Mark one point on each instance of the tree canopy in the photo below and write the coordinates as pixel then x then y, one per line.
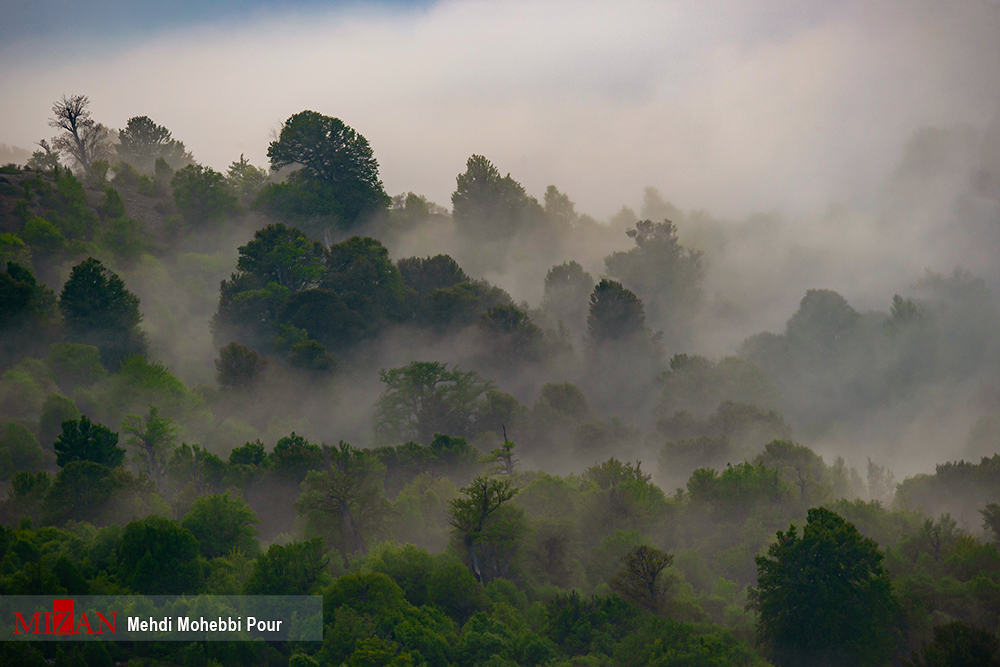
pixel 825 598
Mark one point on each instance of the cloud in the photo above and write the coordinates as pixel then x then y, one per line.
pixel 731 106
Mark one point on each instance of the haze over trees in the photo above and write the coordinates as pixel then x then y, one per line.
pixel 539 461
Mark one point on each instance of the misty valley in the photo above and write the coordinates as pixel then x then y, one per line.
pixel 498 432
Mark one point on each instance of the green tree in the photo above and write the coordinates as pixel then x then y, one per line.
pixel 616 314
pixel 488 206
pixel 426 275
pixel 661 272
pixel 202 195
pixel 350 493
pixel 159 557
pixel 222 524
pixel 245 179
pixel 567 292
pixel 289 569
pixel 153 439
pixel 19 450
pixel 98 310
pixel 800 466
pixel 425 398
pixel 142 142
pixel 824 598
pixel 469 515
pixel 333 158
pixel 239 367
pixel 642 580
pixel 957 644
pixel 84 440
pixel 27 312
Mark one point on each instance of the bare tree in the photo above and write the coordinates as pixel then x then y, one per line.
pixel 83 139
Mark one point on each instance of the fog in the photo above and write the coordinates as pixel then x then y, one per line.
pixel 731 107
pixel 847 147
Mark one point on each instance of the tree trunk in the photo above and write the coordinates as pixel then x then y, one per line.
pixel 470 545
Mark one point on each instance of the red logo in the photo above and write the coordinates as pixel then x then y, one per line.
pixel 60 621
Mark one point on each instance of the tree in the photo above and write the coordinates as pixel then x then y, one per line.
pixel 19 450
pixel 334 157
pixel 488 206
pixel 85 140
pixel 800 466
pixel 283 255
pixel 425 275
pixel 290 569
pixel 640 580
pixel 202 195
pixel 159 557
pixel 45 159
pixel 567 290
pixel 824 598
pixel 28 313
pixel 98 310
pixel 84 440
pixel 469 515
pixel 142 142
pixel 616 314
pixel 957 644
pixel 349 490
pixel 222 524
pixel 245 179
pixel 153 438
pixel 239 367
pixel 425 398
pixel 663 273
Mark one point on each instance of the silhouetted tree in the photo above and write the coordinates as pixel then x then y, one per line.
pixel 83 139
pixel 83 440
pixel 98 310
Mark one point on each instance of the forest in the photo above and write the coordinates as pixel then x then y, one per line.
pixel 495 433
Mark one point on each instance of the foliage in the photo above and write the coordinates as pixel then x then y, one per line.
pixel 348 494
pixel 469 515
pixel 83 440
pixel 142 142
pixel 334 158
pixel 222 524
pixel 152 437
pixel 661 272
pixel 291 569
pixel 425 398
pixel 640 581
pixel 159 557
pixel 98 310
pixel 19 450
pixel 245 179
pixel 202 195
pixel 239 367
pixel 957 644
pixel 825 598
pixel 489 206
pixel 567 292
pixel 616 314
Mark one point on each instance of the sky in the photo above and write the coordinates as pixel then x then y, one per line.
pixel 734 107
